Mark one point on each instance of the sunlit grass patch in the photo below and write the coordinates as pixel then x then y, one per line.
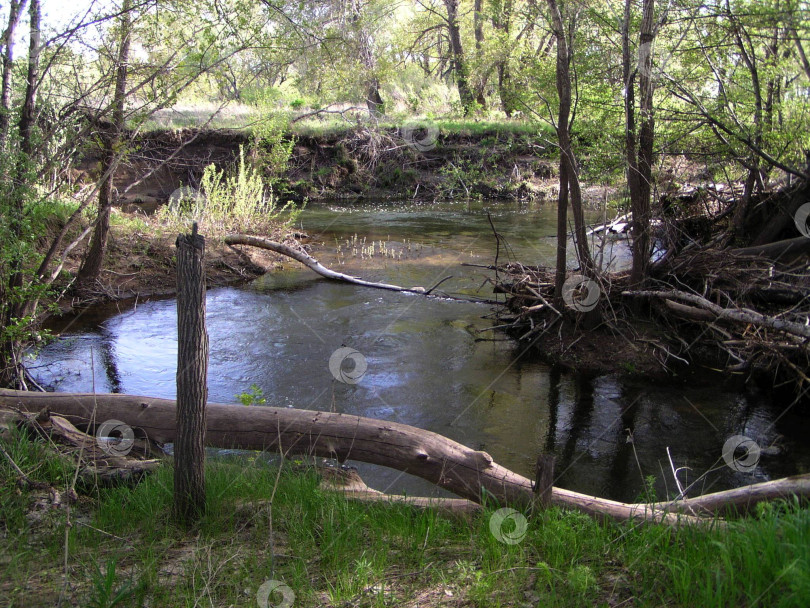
pixel 269 524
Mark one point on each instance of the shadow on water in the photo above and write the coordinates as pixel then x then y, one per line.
pixel 426 363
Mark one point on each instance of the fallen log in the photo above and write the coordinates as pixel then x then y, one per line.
pixel 742 499
pixel 313 264
pixel 736 315
pixel 98 464
pixel 774 251
pixel 466 472
pixel 348 482
pixel 689 312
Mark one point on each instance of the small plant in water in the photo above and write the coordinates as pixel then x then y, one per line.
pixel 255 396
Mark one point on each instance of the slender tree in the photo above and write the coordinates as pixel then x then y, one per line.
pixel 15 9
pixel 13 304
pixel 458 63
pixel 91 267
pixel 639 141
pixel 569 178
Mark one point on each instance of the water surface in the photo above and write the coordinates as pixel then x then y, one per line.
pixel 427 363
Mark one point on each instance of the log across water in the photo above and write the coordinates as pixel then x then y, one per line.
pixel 466 472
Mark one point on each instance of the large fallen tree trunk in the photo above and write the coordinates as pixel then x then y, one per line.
pixel 466 472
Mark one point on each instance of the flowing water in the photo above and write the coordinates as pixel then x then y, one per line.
pixel 427 364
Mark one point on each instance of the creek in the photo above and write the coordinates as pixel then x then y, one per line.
pixel 431 362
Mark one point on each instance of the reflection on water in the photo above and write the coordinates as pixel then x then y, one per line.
pixel 425 365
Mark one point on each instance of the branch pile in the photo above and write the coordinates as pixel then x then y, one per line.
pixel 744 309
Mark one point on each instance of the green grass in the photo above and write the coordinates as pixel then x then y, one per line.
pixel 481 128
pixel 240 116
pixel 124 549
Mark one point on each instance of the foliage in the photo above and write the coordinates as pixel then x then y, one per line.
pixel 356 553
pixel 272 146
pixel 255 396
pixel 234 199
pixel 106 592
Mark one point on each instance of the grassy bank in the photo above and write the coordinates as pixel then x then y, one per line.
pixel 140 258
pixel 269 524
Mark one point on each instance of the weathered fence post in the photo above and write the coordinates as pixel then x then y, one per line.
pixel 544 480
pixel 192 386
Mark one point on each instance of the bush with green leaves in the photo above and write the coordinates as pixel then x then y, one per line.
pixel 238 198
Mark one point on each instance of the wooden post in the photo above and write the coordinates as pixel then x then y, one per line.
pixel 544 480
pixel 192 386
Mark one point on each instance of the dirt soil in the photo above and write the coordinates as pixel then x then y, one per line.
pixel 358 164
pixel 141 264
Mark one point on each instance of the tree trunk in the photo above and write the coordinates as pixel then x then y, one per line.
pixel 459 64
pixel 374 101
pixel 568 164
pixel 506 91
pixel 640 204
pixel 91 267
pixel 478 30
pixel 28 115
pixel 15 10
pixel 192 380
pixel 562 237
pixel 466 472
pixel 800 49
pixel 749 59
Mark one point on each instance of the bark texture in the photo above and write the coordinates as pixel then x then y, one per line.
pixel 192 385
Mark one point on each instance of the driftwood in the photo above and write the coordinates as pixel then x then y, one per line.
pixel 313 264
pixel 774 251
pixel 736 315
pixel 466 472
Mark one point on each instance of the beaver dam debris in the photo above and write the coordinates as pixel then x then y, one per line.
pixel 744 310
